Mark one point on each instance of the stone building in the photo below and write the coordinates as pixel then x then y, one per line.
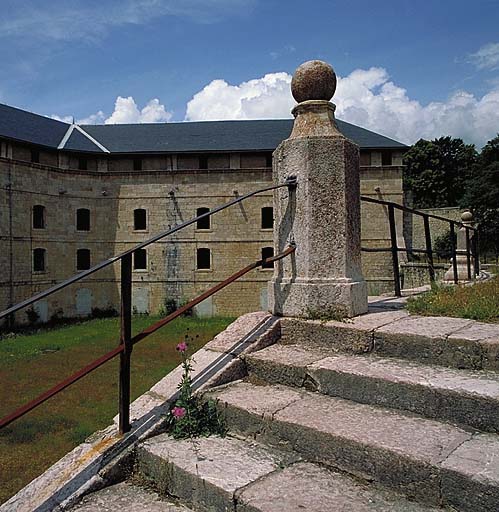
pixel 72 196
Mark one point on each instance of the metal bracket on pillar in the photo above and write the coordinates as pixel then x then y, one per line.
pixel 292 182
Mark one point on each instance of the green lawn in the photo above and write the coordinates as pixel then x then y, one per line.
pixel 30 364
pixel 478 302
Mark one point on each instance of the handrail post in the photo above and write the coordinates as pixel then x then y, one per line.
pixel 476 251
pixel 429 250
pixel 125 340
pixel 454 252
pixel 468 255
pixel 395 255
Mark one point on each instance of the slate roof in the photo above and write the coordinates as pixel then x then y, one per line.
pixel 205 136
pixel 27 127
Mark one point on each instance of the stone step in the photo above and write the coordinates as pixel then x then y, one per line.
pixel 230 474
pixel 465 397
pixel 126 497
pixel 452 342
pixel 428 461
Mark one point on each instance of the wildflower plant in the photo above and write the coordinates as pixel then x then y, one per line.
pixel 190 416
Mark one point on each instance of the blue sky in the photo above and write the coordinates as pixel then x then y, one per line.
pixel 408 69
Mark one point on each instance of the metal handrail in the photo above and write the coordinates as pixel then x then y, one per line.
pixel 472 249
pixel 127 342
pixel 21 411
pixel 290 183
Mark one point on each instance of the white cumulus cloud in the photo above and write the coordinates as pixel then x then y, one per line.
pixel 266 97
pixel 487 57
pixel 127 111
pixel 366 97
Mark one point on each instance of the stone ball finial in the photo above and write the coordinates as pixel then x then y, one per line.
pixel 467 216
pixel 313 80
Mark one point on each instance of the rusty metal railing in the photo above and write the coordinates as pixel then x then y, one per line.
pixel 124 349
pixel 472 246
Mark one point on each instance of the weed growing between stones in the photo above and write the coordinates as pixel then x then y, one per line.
pixel 190 416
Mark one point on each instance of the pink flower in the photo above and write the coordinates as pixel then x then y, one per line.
pixel 182 347
pixel 178 412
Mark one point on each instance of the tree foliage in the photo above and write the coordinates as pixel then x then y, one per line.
pixel 437 171
pixel 482 195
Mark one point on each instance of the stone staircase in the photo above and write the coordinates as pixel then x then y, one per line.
pixel 333 418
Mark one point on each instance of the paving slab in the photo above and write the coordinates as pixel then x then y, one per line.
pixel 352 336
pixel 205 472
pixel 470 479
pixel 305 486
pixel 400 450
pixel 461 396
pixel 126 497
pixel 284 364
pixel 247 333
pixel 428 339
pixel 261 403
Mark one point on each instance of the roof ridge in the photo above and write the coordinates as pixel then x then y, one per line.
pixel 91 139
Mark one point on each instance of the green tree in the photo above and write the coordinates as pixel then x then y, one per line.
pixel 482 195
pixel 436 171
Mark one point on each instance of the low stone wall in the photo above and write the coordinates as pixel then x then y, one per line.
pixel 414 275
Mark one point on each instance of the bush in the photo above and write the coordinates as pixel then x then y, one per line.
pixel 33 316
pixel 442 246
pixel 106 312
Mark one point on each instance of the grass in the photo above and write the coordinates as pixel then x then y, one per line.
pixel 478 302
pixel 30 364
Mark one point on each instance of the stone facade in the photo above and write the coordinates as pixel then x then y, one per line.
pixel 170 188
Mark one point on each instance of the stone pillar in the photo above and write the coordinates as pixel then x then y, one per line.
pixel 322 216
pixel 461 259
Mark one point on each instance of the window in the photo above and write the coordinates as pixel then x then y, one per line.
pixel 82 164
pixel 386 158
pixel 83 219
pixel 267 217
pixel 139 219
pixel 203 259
pixel 39 260
pixel 202 223
pixel 140 259
pixel 267 252
pixel 268 159
pixel 137 164
pixel 35 156
pixel 38 216
pixel 203 162
pixel 82 259
pixel 365 158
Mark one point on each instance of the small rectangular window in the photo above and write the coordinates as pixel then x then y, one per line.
pixel 82 259
pixel 203 259
pixel 268 160
pixel 39 260
pixel 205 222
pixel 35 156
pixel 267 252
pixel 139 219
pixel 137 164
pixel 386 157
pixel 38 216
pixel 267 217
pixel 83 219
pixel 140 259
pixel 82 164
pixel 203 161
pixel 365 158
